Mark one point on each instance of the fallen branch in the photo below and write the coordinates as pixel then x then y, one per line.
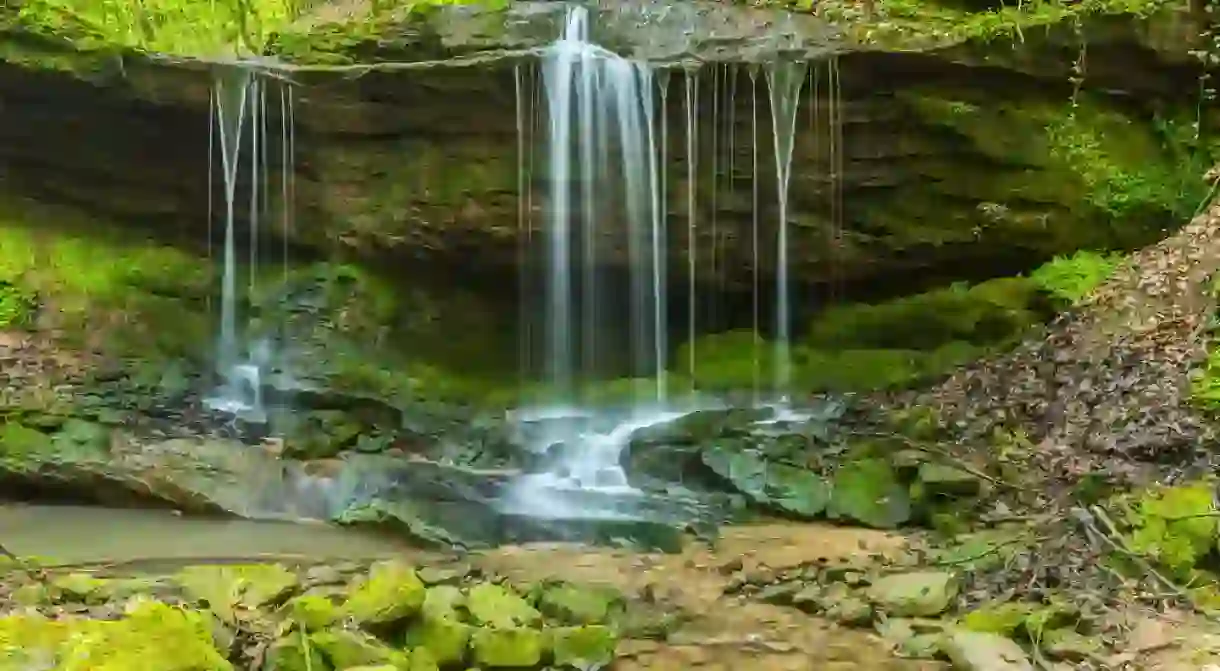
pixel 958 462
pixel 1111 537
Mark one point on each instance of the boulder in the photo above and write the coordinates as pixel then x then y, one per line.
pixel 977 651
pixel 391 593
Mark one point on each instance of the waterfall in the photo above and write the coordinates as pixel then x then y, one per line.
pixel 240 130
pixel 784 81
pixel 605 206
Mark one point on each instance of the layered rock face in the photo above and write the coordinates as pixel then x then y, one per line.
pixel 954 161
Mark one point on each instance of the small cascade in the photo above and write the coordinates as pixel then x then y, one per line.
pixel 241 132
pixel 755 237
pixel 784 81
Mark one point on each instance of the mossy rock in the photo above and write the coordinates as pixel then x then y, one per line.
pixel 314 612
pixel 294 653
pixel 446 639
pixel 782 487
pixel 917 594
pixel 579 605
pixel 345 649
pixel 586 647
pixel 390 593
pixel 496 606
pixel 151 635
pixel 868 491
pixel 984 314
pixel 227 588
pixel 508 648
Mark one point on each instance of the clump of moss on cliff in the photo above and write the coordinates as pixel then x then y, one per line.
pixel 1050 175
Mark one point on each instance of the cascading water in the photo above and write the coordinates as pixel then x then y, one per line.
pixel 241 131
pixel 603 196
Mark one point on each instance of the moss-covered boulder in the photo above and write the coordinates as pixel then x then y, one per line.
pixel 584 647
pixel 496 606
pixel 391 592
pixel 580 604
pixel 226 590
pixel 345 649
pixel 918 594
pixel 151 635
pixel 508 648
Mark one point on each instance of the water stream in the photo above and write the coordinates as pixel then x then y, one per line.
pixel 241 130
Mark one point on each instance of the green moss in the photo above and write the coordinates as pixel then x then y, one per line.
pixel 182 27
pixel 1058 177
pixel 1175 527
pixel 151 636
pixel 984 314
pixel 1071 278
pixel 924 23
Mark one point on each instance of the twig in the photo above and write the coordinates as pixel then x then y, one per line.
pixel 33 573
pixel 1114 540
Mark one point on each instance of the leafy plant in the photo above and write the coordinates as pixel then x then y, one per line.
pixel 1071 278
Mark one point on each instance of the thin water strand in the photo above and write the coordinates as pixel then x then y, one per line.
pixel 784 81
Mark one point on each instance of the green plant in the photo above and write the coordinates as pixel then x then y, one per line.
pixel 184 27
pixel 1071 278
pixel 17 306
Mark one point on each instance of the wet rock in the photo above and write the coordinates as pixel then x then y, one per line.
pixel 782 594
pixel 782 487
pixel 493 605
pixel 390 593
pixel 442 575
pixel 586 648
pixel 508 648
pixel 976 651
pixel 920 594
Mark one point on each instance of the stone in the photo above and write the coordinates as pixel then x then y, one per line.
pixel 391 592
pixel 228 589
pixel 918 594
pixel 313 612
pixel 585 648
pixel 495 606
pixel 443 601
pixel 444 637
pixel 947 480
pixel 81 587
pixel 352 648
pixel 572 604
pixel 978 651
pixel 150 635
pixel 293 653
pixel 508 648
pixel 447 575
pixel 851 611
pixel 1070 645
pixel 783 487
